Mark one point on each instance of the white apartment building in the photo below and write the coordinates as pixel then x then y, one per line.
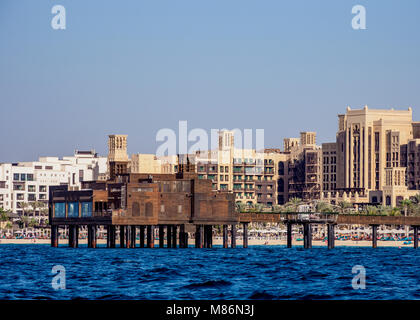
pixel 26 182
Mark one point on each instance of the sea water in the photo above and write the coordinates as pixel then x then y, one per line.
pixel 258 272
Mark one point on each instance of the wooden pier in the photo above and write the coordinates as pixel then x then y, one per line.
pixel 143 206
pixel 171 206
pixel 331 220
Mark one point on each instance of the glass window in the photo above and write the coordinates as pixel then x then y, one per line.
pixel 31 188
pixel 60 210
pixel 30 177
pixel 42 188
pixel 16 176
pixel 86 209
pixel 23 177
pixel 73 210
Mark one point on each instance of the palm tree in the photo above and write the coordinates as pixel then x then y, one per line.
pixel 24 206
pixel 23 222
pixel 416 199
pixel 294 204
pixel 344 206
pixel 323 207
pixel 406 204
pixel 35 206
pixel 3 215
pixel 371 210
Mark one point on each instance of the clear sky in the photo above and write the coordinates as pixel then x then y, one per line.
pixel 134 67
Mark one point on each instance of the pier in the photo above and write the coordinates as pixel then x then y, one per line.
pixel 331 220
pixel 172 206
pixel 135 208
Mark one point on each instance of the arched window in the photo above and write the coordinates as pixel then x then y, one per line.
pixel 280 185
pixel 135 210
pixel 281 168
pixel 388 200
pixel 149 209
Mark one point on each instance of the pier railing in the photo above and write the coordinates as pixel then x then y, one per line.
pixel 311 217
pixel 103 213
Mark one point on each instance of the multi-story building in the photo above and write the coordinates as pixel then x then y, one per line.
pixel 145 163
pixel 329 167
pixel 410 158
pixel 371 155
pixel 304 164
pixel 29 182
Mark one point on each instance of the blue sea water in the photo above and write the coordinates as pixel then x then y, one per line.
pixel 259 272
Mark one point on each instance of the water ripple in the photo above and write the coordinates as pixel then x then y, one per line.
pixel 259 272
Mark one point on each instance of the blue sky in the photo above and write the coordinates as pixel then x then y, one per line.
pixel 134 67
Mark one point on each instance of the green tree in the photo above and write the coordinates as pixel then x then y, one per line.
pixel 344 206
pixel 32 223
pixel 3 215
pixel 416 199
pixel 25 207
pixel 405 206
pixel 294 204
pixel 371 210
pixel 23 222
pixel 323 207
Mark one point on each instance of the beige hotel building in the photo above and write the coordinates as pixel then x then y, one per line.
pixel 374 160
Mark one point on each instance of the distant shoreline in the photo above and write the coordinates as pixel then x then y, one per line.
pixel 218 241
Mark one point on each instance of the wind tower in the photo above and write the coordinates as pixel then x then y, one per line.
pixel 117 155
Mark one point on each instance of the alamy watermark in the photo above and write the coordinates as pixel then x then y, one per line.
pixel 198 143
pixel 359 20
pixel 58 281
pixel 58 22
pixel 359 280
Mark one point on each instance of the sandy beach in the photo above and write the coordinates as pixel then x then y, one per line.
pixel 218 241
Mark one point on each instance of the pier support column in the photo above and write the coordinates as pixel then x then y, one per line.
pixel 198 236
pixel 289 234
pixel 183 237
pixel 307 235
pixel 141 236
pixel 169 236
pixel 77 235
pixel 91 236
pixel 127 237
pixel 161 236
pixel 416 236
pixel 150 236
pixel 54 236
pixel 174 234
pixel 331 236
pixel 94 240
pixel 233 235
pixel 108 240
pixel 245 235
pixel 122 236
pixel 225 236
pixel 208 236
pixel 133 236
pixel 203 236
pixel 70 234
pixel 73 236
pixel 112 236
pixel 374 235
